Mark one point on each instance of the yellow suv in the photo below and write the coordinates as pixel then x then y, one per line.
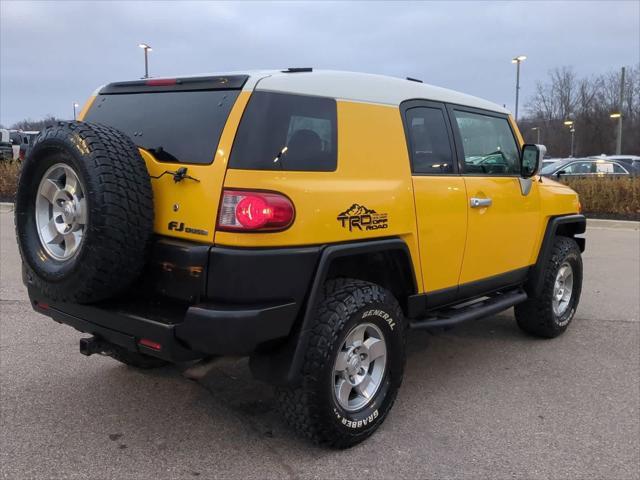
pixel 307 219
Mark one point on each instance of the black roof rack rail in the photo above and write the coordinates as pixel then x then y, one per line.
pixel 411 79
pixel 297 70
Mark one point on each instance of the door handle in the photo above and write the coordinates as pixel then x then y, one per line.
pixel 480 202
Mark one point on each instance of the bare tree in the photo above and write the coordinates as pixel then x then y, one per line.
pixel 588 102
pixel 28 124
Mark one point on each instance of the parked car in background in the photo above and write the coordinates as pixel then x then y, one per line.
pixel 6 151
pixel 27 140
pixel 632 160
pixel 16 141
pixel 588 167
pixel 550 161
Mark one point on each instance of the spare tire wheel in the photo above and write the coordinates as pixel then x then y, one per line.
pixel 84 212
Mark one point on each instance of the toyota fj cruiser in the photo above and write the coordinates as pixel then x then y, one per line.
pixel 307 219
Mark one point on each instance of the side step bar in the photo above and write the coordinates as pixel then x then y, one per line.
pixel 484 308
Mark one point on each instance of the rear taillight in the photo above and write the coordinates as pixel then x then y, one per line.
pixel 145 342
pixel 252 211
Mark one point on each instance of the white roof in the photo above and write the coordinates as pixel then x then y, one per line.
pixel 360 87
pixel 353 86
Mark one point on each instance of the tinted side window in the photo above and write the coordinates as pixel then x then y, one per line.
pixel 489 145
pixel 579 168
pixel 286 132
pixel 429 141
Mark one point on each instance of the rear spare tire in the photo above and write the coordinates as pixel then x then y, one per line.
pixel 84 212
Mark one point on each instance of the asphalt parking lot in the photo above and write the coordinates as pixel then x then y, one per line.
pixel 482 400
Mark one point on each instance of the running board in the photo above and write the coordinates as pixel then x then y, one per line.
pixel 483 308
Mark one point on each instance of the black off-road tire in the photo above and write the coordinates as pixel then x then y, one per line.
pixel 536 315
pixel 311 407
pixel 119 209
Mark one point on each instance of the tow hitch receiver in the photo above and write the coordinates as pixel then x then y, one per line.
pixel 91 345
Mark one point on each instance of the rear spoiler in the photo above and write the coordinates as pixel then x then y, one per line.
pixel 229 82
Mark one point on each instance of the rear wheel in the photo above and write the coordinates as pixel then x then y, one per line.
pixel 550 313
pixel 353 366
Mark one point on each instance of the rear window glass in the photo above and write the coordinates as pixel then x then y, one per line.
pixel 173 126
pixel 286 132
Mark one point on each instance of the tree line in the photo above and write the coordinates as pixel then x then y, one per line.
pixel 34 125
pixel 588 102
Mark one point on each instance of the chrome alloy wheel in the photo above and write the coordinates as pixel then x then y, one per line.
pixel 359 367
pixel 61 212
pixel 562 289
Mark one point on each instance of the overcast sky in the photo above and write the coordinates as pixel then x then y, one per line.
pixel 55 53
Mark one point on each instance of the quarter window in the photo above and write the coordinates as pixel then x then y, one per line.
pixel 489 145
pixel 591 167
pixel 579 168
pixel 608 167
pixel 429 141
pixel 286 132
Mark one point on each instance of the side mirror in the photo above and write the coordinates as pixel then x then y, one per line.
pixel 561 172
pixel 531 159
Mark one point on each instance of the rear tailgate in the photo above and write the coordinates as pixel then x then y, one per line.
pixel 177 124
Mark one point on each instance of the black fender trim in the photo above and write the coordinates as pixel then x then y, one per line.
pixel 564 225
pixel 283 367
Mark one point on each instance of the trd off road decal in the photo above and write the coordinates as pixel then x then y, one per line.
pixel 357 216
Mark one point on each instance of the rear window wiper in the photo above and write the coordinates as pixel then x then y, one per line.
pixel 161 154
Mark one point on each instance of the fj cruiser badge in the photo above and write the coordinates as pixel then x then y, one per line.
pixel 357 216
pixel 180 227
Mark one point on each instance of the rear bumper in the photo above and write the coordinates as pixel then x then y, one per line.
pixel 202 329
pixel 199 300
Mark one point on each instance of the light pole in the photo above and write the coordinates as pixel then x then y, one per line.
pixel 573 132
pixel 75 105
pixel 572 129
pixel 537 130
pixel 618 115
pixel 146 49
pixel 518 60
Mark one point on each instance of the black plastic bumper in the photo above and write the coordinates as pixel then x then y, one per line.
pixel 200 300
pixel 203 330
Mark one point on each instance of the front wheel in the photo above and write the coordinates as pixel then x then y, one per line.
pixel 353 365
pixel 550 313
